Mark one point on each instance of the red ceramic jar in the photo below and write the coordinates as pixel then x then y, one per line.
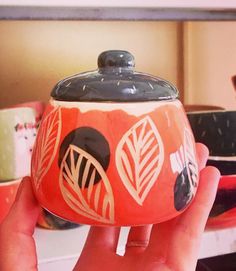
pixel 114 148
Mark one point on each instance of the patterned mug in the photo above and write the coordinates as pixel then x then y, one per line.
pixel 115 148
pixel 17 137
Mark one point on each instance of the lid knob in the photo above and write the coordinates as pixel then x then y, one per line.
pixel 116 59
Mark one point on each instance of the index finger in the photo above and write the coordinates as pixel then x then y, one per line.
pixel 202 155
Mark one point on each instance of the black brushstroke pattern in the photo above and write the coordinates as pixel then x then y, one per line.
pixel 216 130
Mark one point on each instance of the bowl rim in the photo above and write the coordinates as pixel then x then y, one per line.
pixel 10 182
pixel 209 112
pixel 222 158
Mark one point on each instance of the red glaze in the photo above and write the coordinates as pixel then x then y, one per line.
pixel 8 192
pixel 223 213
pixel 119 197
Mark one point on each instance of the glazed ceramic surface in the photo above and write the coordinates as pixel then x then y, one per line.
pixel 17 136
pixel 216 129
pixel 114 148
pixel 8 192
pixel 223 213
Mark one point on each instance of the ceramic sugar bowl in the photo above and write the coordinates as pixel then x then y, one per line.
pixel 114 148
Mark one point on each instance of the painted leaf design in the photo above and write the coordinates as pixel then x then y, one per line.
pixel 192 166
pixel 96 201
pixel 46 145
pixel 139 158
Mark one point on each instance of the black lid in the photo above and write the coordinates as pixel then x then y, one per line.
pixel 114 81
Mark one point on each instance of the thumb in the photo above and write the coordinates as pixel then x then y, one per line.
pixel 24 212
pixel 17 246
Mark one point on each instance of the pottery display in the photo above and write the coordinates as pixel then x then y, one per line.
pixel 114 148
pixel 216 129
pixel 223 212
pixel 8 192
pixel 17 136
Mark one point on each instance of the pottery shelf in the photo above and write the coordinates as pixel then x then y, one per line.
pixel 124 10
pixel 59 250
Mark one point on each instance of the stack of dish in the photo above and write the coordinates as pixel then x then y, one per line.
pixel 217 130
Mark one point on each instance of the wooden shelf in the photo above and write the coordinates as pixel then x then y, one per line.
pixel 116 13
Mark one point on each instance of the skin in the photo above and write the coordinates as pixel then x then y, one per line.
pixel 169 246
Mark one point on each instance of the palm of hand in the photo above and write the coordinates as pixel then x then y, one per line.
pixel 169 246
pixel 148 248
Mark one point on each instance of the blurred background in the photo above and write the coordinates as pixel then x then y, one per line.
pixel 198 57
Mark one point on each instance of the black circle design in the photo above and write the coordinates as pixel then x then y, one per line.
pixel 91 141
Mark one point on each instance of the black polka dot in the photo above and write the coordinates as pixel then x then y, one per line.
pixel 91 141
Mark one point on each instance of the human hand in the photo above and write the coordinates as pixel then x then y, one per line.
pixel 17 246
pixel 171 245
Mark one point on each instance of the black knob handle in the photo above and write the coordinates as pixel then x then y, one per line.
pixel 116 59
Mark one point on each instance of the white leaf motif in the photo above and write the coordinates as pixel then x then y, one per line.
pixel 96 201
pixel 190 159
pixel 139 158
pixel 46 145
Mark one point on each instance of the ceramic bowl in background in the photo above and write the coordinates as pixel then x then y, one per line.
pixel 17 137
pixel 226 165
pixel 223 212
pixel 215 129
pixel 201 107
pixel 8 192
